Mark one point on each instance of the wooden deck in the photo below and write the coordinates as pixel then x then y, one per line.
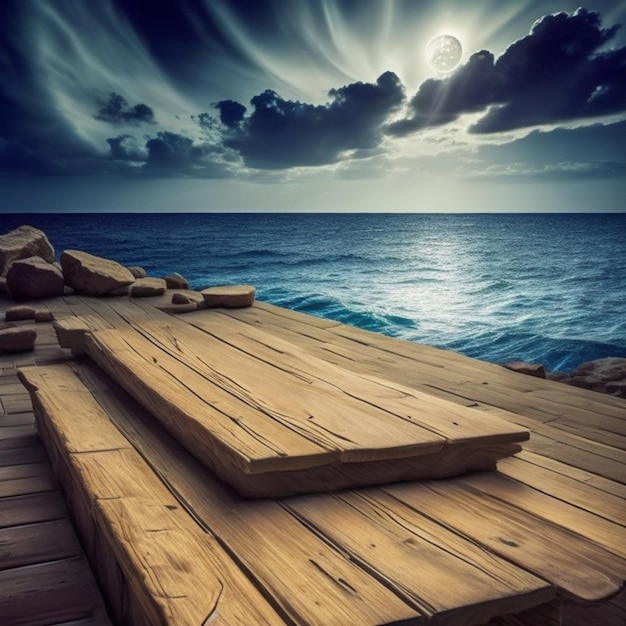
pixel 542 540
pixel 45 578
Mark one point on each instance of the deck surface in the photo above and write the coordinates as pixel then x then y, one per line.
pixel 543 538
pixel 45 578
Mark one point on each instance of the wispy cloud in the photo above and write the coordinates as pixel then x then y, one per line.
pixel 117 87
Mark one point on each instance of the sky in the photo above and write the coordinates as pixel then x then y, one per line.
pixel 311 105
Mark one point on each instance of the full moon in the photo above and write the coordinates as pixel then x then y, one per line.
pixel 443 53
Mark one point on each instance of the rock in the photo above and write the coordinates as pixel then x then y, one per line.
pixel 559 377
pixel 176 281
pixel 617 388
pixel 229 296
pixel 17 340
pixel 137 272
pixel 21 243
pixel 187 297
pixel 34 278
pixel 44 316
pixel 530 369
pixel 146 287
pixel 19 312
pixel 93 275
pixel 606 375
pixel 3 284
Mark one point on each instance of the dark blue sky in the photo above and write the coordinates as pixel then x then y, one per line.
pixel 187 105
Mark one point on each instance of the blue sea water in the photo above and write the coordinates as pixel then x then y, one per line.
pixel 547 288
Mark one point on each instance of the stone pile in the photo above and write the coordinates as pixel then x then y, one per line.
pixel 28 271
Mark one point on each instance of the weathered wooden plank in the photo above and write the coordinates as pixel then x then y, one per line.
pixel 571 449
pixel 18 403
pixel 579 568
pixel 566 488
pixel 192 374
pixel 603 430
pixel 445 575
pixel 282 404
pixel 308 580
pixel 48 593
pixel 80 430
pixel 70 331
pixel 26 470
pixel 587 478
pixel 10 385
pixel 29 509
pixel 180 576
pixel 607 533
pixel 207 406
pixel 17 419
pixel 37 543
pixel 9 433
pixel 21 486
pixel 29 439
pixel 19 456
pixel 453 422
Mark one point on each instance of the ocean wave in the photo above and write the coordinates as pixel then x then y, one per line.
pixel 540 288
pixel 333 308
pixel 555 354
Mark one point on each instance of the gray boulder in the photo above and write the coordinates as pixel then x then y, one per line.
pixel 34 278
pixel 93 275
pixel 22 243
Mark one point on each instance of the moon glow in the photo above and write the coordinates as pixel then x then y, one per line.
pixel 443 53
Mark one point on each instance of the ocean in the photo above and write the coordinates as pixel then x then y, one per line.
pixel 547 288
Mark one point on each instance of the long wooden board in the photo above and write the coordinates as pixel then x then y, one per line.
pixel 252 418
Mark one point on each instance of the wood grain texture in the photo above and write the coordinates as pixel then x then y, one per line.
pixel 253 416
pixel 48 593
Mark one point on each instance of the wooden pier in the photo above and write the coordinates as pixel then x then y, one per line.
pixel 345 526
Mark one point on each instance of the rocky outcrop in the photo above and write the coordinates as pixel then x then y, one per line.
pixel 147 287
pixel 93 275
pixel 530 369
pixel 21 243
pixel 607 375
pixel 176 281
pixel 229 296
pixel 17 340
pixel 34 278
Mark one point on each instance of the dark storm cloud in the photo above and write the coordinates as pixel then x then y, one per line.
pixel 231 112
pixel 117 111
pixel 560 71
pixel 162 53
pixel 281 133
